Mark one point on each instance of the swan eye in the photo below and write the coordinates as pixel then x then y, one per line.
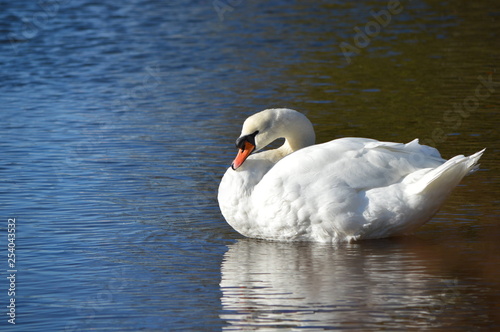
pixel 240 142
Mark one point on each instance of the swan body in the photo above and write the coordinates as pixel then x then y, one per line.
pixel 343 190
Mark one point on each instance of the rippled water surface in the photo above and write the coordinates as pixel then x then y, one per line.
pixel 118 121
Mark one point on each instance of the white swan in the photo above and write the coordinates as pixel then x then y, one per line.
pixel 346 189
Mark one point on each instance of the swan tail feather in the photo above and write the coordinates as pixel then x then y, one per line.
pixel 448 175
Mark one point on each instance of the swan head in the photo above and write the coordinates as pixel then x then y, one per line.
pixel 263 128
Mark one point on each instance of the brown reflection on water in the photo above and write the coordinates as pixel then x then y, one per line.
pixel 402 283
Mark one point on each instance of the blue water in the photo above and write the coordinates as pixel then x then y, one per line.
pixel 118 121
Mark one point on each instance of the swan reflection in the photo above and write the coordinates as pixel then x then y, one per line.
pixel 385 284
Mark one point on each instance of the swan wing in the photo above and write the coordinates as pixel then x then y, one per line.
pixel 357 163
pixel 332 181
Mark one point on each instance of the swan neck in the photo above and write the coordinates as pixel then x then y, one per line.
pixel 298 139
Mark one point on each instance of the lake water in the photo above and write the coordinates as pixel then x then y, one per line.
pixel 118 121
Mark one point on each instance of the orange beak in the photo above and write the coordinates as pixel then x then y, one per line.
pixel 242 155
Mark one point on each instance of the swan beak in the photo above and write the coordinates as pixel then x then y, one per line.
pixel 242 155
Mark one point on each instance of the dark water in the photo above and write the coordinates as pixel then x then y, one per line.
pixel 118 120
